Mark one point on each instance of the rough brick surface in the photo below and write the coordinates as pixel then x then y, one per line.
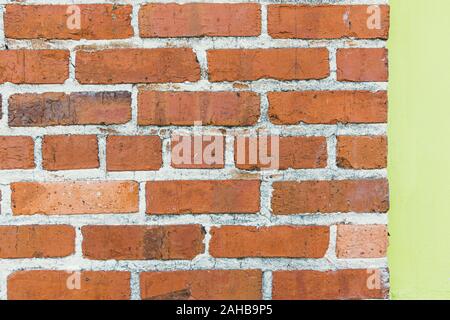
pixel 193 149
pixel 341 284
pixel 105 21
pixel 279 241
pixel 199 19
pixel 202 285
pixel 16 153
pixel 36 241
pixel 69 152
pixel 142 243
pixel 53 285
pixel 74 197
pixel 137 66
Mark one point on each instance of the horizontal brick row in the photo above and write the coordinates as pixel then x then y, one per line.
pixel 197 284
pixel 116 66
pixel 188 108
pixel 106 21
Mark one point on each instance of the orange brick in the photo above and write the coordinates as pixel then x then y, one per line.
pixel 361 152
pixel 97 21
pixel 197 152
pixel 143 243
pixel 362 196
pixel 36 241
pixel 16 153
pixel 327 107
pixel 202 285
pixel 130 153
pixel 112 66
pixel 60 285
pixel 279 64
pixel 209 108
pixel 292 152
pixel 361 241
pixel 64 152
pixel 202 197
pixel 53 198
pixel 326 22
pixel 328 285
pixel 34 66
pixel 199 19
pixel 52 109
pixel 276 241
pixel 360 64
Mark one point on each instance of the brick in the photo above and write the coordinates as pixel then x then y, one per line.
pixel 209 108
pixel 327 107
pixel 64 152
pixel 76 197
pixel 199 19
pixel 359 196
pixel 16 153
pixel 202 285
pixel 114 66
pixel 327 285
pixel 183 242
pixel 198 152
pixel 360 64
pixel 133 153
pixel 84 108
pixel 61 285
pixel 202 197
pixel 361 152
pixel 96 21
pixel 326 22
pixel 279 64
pixel 361 241
pixel 292 153
pixel 34 66
pixel 276 241
pixel 36 241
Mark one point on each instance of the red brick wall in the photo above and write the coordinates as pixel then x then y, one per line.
pixel 101 198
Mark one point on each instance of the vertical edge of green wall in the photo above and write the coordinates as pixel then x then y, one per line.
pixel 419 151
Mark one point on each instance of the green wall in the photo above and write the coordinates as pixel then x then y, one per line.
pixel 419 150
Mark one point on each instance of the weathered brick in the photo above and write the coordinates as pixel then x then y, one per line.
pixel 84 108
pixel 64 152
pixel 292 152
pixel 202 197
pixel 291 197
pixel 276 241
pixel 36 241
pixel 279 64
pixel 361 152
pixel 183 242
pixel 112 66
pixel 361 64
pixel 327 107
pixel 16 152
pixel 96 21
pixel 199 19
pixel 34 66
pixel 130 153
pixel 361 241
pixel 202 285
pixel 327 22
pixel 198 152
pixel 54 198
pixel 209 108
pixel 62 285
pixel 328 285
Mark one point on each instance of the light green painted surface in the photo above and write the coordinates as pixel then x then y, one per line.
pixel 419 150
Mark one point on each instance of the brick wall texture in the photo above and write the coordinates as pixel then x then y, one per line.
pixel 99 100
